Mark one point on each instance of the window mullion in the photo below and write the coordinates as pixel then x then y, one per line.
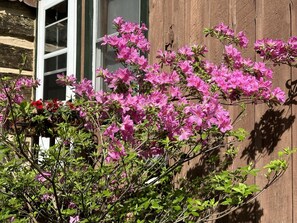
pixel 55 53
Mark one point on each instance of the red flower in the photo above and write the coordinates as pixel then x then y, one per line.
pixel 70 105
pixel 37 104
pixel 53 105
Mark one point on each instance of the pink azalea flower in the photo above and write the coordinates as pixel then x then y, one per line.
pixel 243 40
pixel 42 177
pixel 279 95
pixel 74 219
pixel 127 128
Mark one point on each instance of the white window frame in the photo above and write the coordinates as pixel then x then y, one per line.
pixel 70 50
pixel 43 5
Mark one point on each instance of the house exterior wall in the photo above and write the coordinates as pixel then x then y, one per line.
pixel 174 23
pixel 17 38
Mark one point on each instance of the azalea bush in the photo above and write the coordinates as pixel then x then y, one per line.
pixel 118 155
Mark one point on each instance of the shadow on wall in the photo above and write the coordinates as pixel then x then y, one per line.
pixel 292 94
pixel 263 139
pixel 249 213
pixel 267 133
pixel 272 125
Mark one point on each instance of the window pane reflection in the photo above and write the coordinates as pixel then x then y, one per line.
pixel 56 27
pixel 56 13
pixel 110 9
pixel 55 63
pixel 52 90
pixel 56 37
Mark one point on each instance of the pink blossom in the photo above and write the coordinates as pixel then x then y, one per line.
pixel 65 80
pixel 167 57
pixel 111 131
pixel 186 51
pixel 84 88
pixel 71 205
pixel 223 120
pixel 233 57
pixel 169 122
pixel 46 197
pixel 74 219
pixel 185 134
pixel 127 128
pixel 116 150
pixel 118 21
pixel 243 40
pixel 174 92
pixel 224 29
pixel 276 50
pixel 279 95
pixel 41 177
pixel 186 67
pixel 292 45
pixel 197 83
pixel 26 82
pixel 261 70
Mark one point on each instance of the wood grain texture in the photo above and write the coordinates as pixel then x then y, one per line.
pixel 292 85
pixel 199 19
pixel 179 23
pixel 218 12
pixel 274 126
pixel 271 129
pixel 156 31
pixel 242 14
pixel 168 25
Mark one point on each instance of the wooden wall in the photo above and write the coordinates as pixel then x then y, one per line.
pixel 180 22
pixel 17 36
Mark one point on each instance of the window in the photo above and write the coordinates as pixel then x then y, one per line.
pixel 56 46
pixel 65 30
pixel 65 33
pixel 104 14
pixel 56 50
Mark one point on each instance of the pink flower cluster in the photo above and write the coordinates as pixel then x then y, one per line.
pixel 179 102
pixel 12 91
pixel 83 89
pixel 130 43
pixel 224 32
pixel 41 177
pixel 277 51
pixel 240 77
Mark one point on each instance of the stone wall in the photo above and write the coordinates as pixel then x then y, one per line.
pixel 17 38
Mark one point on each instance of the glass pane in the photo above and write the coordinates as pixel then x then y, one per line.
pixel 110 9
pixel 109 58
pixel 55 63
pixel 52 90
pixel 56 13
pixel 56 36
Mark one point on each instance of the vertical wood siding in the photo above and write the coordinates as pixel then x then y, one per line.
pixel 174 23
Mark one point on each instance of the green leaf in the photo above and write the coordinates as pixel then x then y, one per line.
pixel 197 148
pixel 240 134
pixel 177 208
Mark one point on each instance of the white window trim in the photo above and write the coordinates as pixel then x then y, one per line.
pixel 43 5
pixel 96 62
